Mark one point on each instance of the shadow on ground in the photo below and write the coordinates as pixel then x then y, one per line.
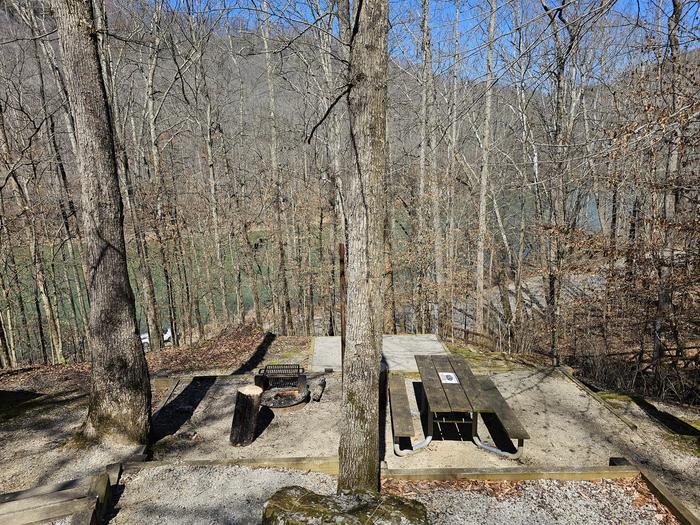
pixel 669 421
pixel 15 403
pixel 169 419
pixel 258 356
pixel 460 429
pixel 178 411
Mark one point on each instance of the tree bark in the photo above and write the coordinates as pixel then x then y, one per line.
pixel 359 435
pixel 120 394
pixel 484 178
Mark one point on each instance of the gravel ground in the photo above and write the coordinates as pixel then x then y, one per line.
pixel 543 502
pixel 225 494
pixel 199 495
pixel 568 428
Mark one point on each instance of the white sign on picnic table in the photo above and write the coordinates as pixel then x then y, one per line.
pixel 448 377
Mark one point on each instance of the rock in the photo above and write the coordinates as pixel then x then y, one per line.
pixel 317 386
pixel 299 506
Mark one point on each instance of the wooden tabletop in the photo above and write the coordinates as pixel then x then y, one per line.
pixel 450 385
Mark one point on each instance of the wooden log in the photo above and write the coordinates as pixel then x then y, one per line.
pixel 317 386
pixel 245 415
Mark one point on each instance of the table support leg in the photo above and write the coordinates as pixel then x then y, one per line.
pixel 510 455
pixel 428 414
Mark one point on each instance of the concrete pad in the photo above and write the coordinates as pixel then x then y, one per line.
pixel 398 351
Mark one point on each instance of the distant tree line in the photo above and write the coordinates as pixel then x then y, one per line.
pixel 541 192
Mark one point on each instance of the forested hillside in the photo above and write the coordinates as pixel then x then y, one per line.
pixel 542 189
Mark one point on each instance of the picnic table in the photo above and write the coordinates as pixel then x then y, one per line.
pixel 453 394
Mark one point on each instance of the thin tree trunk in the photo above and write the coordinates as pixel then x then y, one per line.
pixel 664 304
pixel 484 178
pixel 6 360
pixel 249 264
pixel 15 282
pixel 389 294
pixel 214 206
pixel 54 326
pixel 148 289
pixel 285 308
pixel 7 319
pixel 451 170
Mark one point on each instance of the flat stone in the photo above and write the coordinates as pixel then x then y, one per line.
pixel 299 506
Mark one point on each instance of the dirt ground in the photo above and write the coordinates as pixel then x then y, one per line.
pixel 35 441
pixel 568 428
pixel 41 408
pixel 206 406
pixel 567 425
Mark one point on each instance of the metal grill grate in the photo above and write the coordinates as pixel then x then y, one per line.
pixel 282 376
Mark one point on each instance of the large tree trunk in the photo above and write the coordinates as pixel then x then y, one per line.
pixel 120 395
pixel 359 435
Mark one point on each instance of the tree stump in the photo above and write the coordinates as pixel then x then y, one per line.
pixel 245 415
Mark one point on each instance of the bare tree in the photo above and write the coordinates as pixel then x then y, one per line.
pixel 359 441
pixel 484 174
pixel 120 394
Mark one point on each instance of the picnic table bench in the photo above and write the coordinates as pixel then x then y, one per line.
pixel 452 394
pixel 401 418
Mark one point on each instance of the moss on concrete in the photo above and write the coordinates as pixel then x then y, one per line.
pixel 614 398
pixel 488 361
pixel 687 444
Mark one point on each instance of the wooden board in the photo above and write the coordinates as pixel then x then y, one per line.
pixel 41 500
pixel 84 500
pixel 668 498
pixel 326 464
pixel 50 511
pixel 401 420
pixel 432 384
pixel 515 473
pixel 83 483
pixel 471 386
pixel 453 391
pixel 505 414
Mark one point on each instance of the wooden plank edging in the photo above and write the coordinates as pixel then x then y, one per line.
pixel 83 501
pixel 670 500
pixel 51 511
pixel 43 489
pixel 514 473
pixel 327 465
pixel 330 465
pixel 175 381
